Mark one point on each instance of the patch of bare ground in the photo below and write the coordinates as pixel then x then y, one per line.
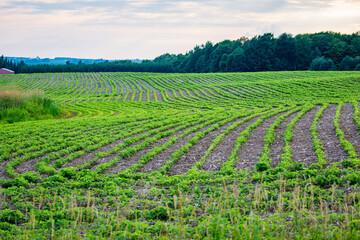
pixel 251 150
pixel 169 93
pixel 186 95
pixel 144 95
pixel 222 151
pixel 193 95
pixel 127 162
pixel 153 92
pixel 349 127
pixel 121 86
pixel 277 147
pixel 178 94
pixel 3 174
pixel 196 152
pixel 91 155
pixel 229 92
pixel 327 135
pixel 164 156
pixel 29 165
pixel 240 93
pixel 302 143
pixel 137 95
pixel 211 94
pixel 107 83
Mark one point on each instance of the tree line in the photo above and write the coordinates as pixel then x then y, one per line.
pixel 318 51
pixel 5 63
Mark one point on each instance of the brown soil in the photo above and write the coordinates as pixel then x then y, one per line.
pixel 137 95
pixel 222 151
pixel 251 150
pixel 230 93
pixel 28 165
pixel 196 96
pixel 277 147
pixel 178 93
pixel 91 155
pixel 211 94
pixel 157 92
pixel 302 143
pixel 3 174
pixel 195 153
pixel 186 95
pixel 165 155
pixel 240 92
pixel 127 162
pixel 144 95
pixel 349 127
pixel 169 93
pixel 327 135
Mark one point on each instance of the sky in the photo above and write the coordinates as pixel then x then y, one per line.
pixel 133 29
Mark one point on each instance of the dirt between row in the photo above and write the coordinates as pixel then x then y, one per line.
pixel 222 151
pixel 251 150
pixel 302 143
pixel 277 147
pixel 127 162
pixel 195 153
pixel 349 127
pixel 327 135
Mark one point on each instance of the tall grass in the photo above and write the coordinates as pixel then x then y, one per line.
pixel 18 105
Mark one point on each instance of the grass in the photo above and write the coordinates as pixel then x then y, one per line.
pixel 17 105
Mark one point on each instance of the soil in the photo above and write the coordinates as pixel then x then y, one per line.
pixel 302 143
pixel 327 135
pixel 277 147
pixel 3 174
pixel 89 156
pixel 165 155
pixel 195 153
pixel 251 150
pixel 222 151
pixel 349 127
pixel 127 162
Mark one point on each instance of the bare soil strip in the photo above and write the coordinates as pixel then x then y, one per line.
pixel 222 151
pixel 194 154
pixel 127 162
pixel 302 143
pixel 327 135
pixel 164 156
pixel 3 174
pixel 27 166
pixel 349 127
pixel 277 147
pixel 251 150
pixel 91 155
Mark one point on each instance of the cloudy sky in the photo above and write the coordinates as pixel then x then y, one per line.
pixel 128 29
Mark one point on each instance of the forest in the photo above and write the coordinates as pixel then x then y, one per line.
pixel 324 51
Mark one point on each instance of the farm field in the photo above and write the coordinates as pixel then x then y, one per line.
pixel 271 155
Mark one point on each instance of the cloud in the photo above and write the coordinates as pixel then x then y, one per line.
pixel 148 28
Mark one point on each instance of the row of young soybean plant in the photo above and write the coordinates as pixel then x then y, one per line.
pixel 63 140
pixel 202 126
pixel 166 165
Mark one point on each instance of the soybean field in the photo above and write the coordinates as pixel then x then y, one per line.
pixel 270 155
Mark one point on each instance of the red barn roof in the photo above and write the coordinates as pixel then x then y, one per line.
pixel 6 71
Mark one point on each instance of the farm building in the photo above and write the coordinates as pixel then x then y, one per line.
pixel 6 71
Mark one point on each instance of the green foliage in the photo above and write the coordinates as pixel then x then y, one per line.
pixel 322 64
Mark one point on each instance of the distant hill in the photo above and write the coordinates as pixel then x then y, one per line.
pixel 61 60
